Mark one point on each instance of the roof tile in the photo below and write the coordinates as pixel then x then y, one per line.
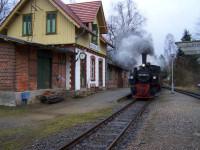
pixel 86 11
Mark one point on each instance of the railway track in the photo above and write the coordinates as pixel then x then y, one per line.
pixel 195 95
pixel 106 134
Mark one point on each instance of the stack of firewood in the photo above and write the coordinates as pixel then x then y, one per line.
pixel 50 97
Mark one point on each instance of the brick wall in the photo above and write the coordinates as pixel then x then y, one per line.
pixel 33 69
pixel 22 68
pixel 26 68
pixel 7 67
pixel 18 68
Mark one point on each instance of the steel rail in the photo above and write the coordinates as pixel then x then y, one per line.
pixel 192 94
pixel 93 129
pixel 132 122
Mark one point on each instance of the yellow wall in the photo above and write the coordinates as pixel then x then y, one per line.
pixel 65 29
pixel 84 40
pixel 103 48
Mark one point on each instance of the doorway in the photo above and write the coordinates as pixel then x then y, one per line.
pixel 83 73
pixel 44 68
pixel 100 73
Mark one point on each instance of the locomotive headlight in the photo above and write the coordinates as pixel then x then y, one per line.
pixel 131 77
pixel 154 77
pixel 143 65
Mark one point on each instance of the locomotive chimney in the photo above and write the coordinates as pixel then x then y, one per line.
pixel 144 58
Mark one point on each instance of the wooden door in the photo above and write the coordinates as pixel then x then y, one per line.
pixel 120 79
pixel 44 68
pixel 44 73
pixel 100 73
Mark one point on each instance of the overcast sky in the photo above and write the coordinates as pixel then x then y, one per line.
pixel 163 17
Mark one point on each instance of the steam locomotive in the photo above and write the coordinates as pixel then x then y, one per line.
pixel 145 80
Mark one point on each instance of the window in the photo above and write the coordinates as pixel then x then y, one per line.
pixel 95 31
pixel 92 68
pixel 27 25
pixel 51 23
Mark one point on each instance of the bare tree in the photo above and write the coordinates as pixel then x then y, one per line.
pixel 125 19
pixel 169 47
pixel 5 7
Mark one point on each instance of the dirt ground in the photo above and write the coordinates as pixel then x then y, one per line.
pixel 171 123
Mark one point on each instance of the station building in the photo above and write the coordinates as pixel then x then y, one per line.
pixel 117 76
pixel 49 45
pixel 189 47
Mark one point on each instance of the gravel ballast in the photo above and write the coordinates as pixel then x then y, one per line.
pixel 171 122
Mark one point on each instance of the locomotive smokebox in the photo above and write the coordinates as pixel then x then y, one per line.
pixel 144 58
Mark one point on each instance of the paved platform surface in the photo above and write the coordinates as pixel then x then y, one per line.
pixel 172 122
pixel 42 112
pixel 82 105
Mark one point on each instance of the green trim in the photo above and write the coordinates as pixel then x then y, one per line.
pixel 51 15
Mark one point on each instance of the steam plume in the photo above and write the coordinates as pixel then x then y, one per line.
pixel 130 48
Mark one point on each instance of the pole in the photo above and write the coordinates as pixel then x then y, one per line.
pixel 172 84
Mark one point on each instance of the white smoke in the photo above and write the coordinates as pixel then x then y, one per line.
pixel 130 48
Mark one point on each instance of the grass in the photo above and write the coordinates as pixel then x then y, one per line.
pixel 12 111
pixel 68 121
pixel 20 137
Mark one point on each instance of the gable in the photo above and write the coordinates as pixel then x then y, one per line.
pixel 65 29
pixel 57 4
pixel 102 22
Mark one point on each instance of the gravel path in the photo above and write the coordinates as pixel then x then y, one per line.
pixel 56 141
pixel 171 122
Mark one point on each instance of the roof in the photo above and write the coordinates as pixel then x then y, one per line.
pixel 110 62
pixel 194 41
pixel 189 47
pixel 103 39
pixel 68 11
pixel 78 13
pixel 86 11
pixel 82 13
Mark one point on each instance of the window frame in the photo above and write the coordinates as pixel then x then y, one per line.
pixel 47 13
pixel 93 68
pixel 97 33
pixel 23 20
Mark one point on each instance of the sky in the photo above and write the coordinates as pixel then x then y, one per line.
pixel 163 17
